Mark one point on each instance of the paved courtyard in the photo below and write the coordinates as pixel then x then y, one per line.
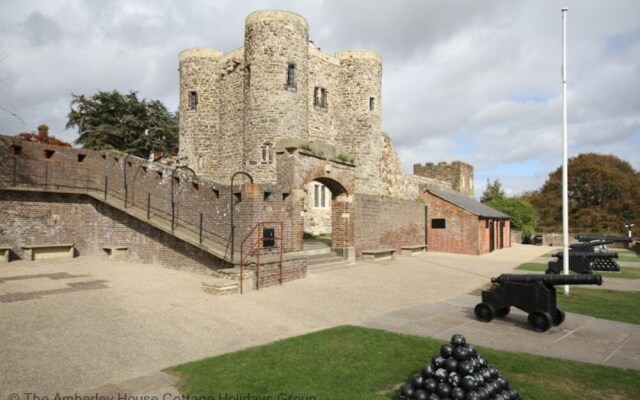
pixel 74 325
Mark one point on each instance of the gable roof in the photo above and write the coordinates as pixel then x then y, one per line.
pixel 469 204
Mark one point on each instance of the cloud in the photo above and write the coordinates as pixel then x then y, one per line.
pixel 474 81
pixel 41 30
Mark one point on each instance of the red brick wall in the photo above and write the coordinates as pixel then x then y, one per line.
pixel 460 234
pixel 386 222
pixel 465 232
pixel 485 234
pixel 269 274
pixel 154 186
pixel 41 218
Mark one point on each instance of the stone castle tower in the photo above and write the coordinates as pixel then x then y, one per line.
pixel 236 108
pixel 457 173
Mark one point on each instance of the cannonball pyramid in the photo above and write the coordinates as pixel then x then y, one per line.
pixel 458 372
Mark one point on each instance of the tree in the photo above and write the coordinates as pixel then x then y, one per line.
pixel 523 216
pixel 111 120
pixel 604 194
pixel 493 192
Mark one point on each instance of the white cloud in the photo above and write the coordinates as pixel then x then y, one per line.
pixel 476 81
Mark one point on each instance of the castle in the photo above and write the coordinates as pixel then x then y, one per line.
pixel 240 110
pixel 298 130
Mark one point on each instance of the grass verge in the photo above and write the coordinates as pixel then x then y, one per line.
pixel 601 303
pixel 625 272
pixel 357 363
pixel 628 256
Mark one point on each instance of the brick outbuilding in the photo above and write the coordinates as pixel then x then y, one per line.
pixel 459 224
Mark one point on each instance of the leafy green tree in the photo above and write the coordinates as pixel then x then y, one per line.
pixel 604 194
pixel 523 216
pixel 111 120
pixel 493 191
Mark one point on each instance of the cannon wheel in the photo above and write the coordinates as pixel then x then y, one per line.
pixel 558 316
pixel 502 312
pixel 540 321
pixel 485 311
pixel 551 271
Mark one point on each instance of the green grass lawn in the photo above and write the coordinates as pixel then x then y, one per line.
pixel 625 273
pixel 600 303
pixel 358 363
pixel 628 256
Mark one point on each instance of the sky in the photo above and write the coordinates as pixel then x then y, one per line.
pixel 469 80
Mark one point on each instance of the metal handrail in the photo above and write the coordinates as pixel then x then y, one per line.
pixel 255 249
pixel 84 181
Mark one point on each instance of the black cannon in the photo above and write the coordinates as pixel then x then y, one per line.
pixel 590 238
pixel 584 263
pixel 534 294
pixel 593 246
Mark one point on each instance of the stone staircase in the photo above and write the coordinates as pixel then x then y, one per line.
pixel 320 257
pixel 159 222
pixel 227 281
pixel 222 282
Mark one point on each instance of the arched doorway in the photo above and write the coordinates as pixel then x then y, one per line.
pixel 327 215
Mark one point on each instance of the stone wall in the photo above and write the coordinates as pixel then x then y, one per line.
pixel 324 73
pixel 457 173
pixel 199 116
pixel 257 106
pixel 317 218
pixel 360 120
pixel 276 103
pixel 233 75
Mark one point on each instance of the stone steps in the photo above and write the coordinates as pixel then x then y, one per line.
pixel 220 286
pixel 325 261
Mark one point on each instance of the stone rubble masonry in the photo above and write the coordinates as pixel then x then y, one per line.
pixel 245 104
pixel 317 220
pixel 457 173
pixel 246 107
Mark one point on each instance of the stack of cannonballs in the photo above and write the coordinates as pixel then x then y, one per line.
pixel 458 373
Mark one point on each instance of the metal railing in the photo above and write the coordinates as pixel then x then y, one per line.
pixel 256 248
pixel 49 175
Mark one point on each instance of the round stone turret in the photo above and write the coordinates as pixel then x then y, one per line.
pixel 276 63
pixel 361 89
pixel 199 108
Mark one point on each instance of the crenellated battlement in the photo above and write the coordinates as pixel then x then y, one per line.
pixel 235 106
pixel 457 173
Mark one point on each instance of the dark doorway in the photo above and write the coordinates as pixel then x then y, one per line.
pixel 426 225
pixel 492 236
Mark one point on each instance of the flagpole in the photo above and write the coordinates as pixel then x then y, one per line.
pixel 565 167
